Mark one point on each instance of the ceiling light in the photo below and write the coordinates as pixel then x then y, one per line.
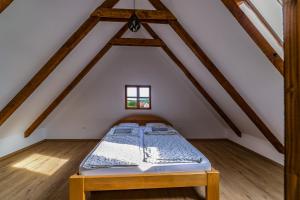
pixel 134 23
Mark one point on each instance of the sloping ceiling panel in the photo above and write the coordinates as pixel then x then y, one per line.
pixel 235 54
pixel 32 30
pixel 99 99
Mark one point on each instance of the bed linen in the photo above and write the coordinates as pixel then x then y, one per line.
pixel 116 150
pixel 159 131
pixel 172 148
pixel 123 162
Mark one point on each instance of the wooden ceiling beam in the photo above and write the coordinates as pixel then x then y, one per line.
pixel 136 42
pixel 108 4
pixel 4 4
pixel 264 21
pixel 193 80
pixel 51 65
pixel 126 20
pixel 82 32
pixel 253 32
pixel 210 66
pixel 73 84
pixel 125 14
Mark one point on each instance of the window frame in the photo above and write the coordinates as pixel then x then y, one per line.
pixel 138 97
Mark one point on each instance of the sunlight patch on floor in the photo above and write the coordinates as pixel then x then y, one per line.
pixel 42 164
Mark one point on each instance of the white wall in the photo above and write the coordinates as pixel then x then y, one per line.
pixel 236 55
pixel 273 13
pixel 259 145
pixel 99 100
pixel 32 30
pixel 276 17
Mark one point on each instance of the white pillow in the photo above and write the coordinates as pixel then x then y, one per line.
pixel 134 125
pixel 158 125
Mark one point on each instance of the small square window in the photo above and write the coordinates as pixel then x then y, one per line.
pixel 131 92
pixel 144 92
pixel 137 97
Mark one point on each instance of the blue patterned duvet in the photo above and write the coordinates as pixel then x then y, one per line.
pixel 136 147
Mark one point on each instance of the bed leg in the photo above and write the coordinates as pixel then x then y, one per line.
pixel 212 188
pixel 76 188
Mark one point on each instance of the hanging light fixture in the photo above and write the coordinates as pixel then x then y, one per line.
pixel 134 23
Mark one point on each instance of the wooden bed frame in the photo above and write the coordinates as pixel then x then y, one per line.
pixel 79 184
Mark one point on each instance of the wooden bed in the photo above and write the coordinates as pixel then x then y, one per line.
pixel 79 184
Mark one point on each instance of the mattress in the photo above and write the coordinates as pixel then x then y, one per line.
pixel 142 167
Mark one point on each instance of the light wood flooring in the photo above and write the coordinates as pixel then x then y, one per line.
pixel 41 173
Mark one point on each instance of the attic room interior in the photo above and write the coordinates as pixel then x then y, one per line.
pixel 149 99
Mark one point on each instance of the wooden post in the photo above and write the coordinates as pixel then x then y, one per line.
pixel 76 188
pixel 213 188
pixel 292 98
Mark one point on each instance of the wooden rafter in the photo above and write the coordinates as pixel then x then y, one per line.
pixel 108 4
pixel 197 85
pixel 210 66
pixel 136 42
pixel 96 59
pixel 125 14
pixel 92 21
pixel 52 64
pixel 73 84
pixel 4 4
pixel 253 32
pixel 292 98
pixel 264 22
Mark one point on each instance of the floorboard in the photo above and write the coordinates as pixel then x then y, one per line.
pixel 42 172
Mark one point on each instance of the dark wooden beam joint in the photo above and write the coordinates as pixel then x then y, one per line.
pixel 136 42
pixel 154 16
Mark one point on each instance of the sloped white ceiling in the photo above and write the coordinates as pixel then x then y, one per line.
pixel 273 13
pixel 237 57
pixel 99 99
pixel 32 30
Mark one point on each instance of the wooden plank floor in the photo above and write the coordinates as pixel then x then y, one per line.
pixel 42 172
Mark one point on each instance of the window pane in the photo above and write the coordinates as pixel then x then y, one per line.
pixel 144 103
pixel 144 92
pixel 131 92
pixel 131 103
